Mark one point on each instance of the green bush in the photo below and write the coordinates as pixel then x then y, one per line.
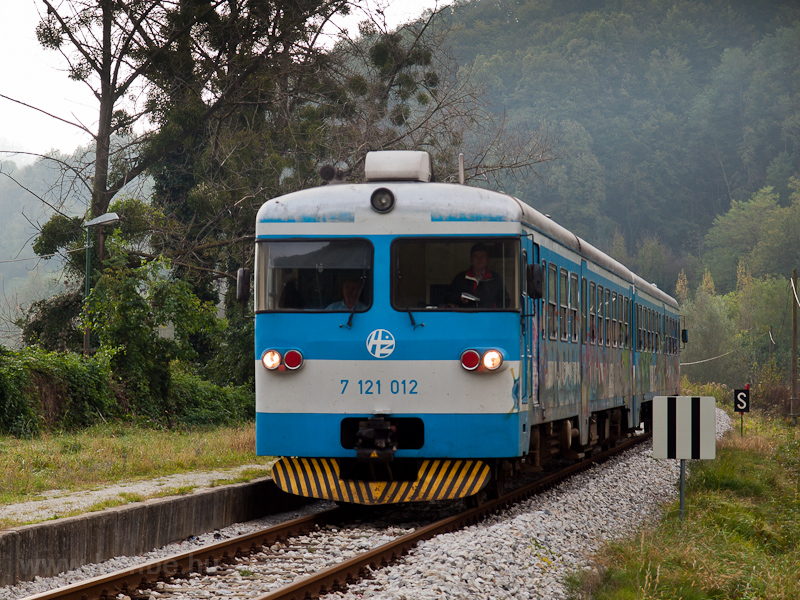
pixel 720 391
pixel 41 389
pixel 196 401
pixel 129 309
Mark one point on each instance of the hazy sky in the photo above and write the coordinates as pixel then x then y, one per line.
pixel 30 74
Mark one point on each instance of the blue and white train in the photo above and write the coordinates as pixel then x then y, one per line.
pixel 381 379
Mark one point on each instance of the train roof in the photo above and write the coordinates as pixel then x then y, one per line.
pixel 468 209
pixel 553 230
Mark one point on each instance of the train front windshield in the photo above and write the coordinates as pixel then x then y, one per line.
pixel 314 275
pixel 455 274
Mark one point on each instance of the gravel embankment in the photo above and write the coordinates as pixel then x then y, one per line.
pixel 524 552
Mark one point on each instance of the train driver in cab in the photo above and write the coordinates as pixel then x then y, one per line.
pixel 350 291
pixel 478 286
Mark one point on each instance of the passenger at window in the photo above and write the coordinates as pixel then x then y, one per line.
pixel 478 286
pixel 350 290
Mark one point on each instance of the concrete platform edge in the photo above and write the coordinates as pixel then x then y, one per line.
pixel 52 547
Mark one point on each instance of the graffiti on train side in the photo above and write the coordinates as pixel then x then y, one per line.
pixel 603 373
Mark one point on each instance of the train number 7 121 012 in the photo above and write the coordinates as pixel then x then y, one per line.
pixel 370 387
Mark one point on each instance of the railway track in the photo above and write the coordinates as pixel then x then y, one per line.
pixel 176 575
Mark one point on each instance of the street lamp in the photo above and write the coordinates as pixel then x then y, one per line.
pixel 105 219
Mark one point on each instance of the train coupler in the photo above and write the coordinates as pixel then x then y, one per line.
pixel 376 440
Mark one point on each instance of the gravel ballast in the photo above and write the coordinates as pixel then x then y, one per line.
pixel 524 552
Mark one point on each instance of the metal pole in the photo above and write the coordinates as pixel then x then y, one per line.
pixel 87 289
pixel 794 345
pixel 683 487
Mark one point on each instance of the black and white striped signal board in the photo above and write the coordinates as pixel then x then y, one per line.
pixel 684 427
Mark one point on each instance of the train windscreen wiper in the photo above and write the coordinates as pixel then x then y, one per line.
pixel 349 323
pixel 405 301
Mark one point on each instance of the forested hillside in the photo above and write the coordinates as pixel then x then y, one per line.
pixel 667 112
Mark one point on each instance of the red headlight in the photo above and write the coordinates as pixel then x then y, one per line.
pixel 293 360
pixel 470 359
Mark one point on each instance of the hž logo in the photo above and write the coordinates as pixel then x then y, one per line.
pixel 380 343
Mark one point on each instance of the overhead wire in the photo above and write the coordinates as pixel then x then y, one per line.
pixel 11 260
pixel 697 362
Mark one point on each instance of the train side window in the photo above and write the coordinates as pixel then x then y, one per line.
pixel 543 315
pixel 626 318
pixel 592 312
pixel 584 308
pixel 545 292
pixel 644 330
pixel 668 336
pixel 676 331
pixel 564 297
pixel 552 291
pixel 573 305
pixel 639 327
pixel 674 336
pixel 600 314
pixel 649 330
pixel 608 317
pixel 654 329
pixel 653 326
pixel 657 334
pixel 614 322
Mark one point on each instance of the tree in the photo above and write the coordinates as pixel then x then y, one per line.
pixel 146 320
pixel 762 309
pixel 714 351
pixel 384 90
pixel 759 234
pixel 778 248
pixel 735 234
pixel 682 288
pixel 132 54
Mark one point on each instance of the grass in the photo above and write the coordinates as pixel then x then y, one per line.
pixel 111 453
pixel 741 534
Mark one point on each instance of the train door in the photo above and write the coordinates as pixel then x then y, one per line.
pixel 528 382
pixel 583 349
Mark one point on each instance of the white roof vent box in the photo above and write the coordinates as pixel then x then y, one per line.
pixel 397 165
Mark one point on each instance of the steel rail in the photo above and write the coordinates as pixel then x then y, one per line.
pixel 125 580
pixel 337 577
